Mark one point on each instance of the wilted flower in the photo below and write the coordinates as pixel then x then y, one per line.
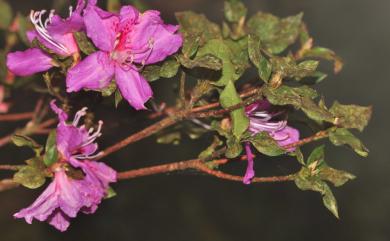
pixel 125 40
pixel 55 34
pixel 66 196
pixel 260 119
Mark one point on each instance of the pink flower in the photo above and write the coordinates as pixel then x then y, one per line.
pixel 55 34
pixel 65 196
pixel 260 119
pixel 125 40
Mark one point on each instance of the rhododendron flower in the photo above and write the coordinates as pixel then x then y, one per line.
pixel 66 196
pixel 125 41
pixel 260 119
pixel 55 34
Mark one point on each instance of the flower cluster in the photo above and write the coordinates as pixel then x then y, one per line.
pixel 66 195
pixel 126 41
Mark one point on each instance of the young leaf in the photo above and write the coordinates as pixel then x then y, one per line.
pixel 22 141
pixel 229 97
pixel 351 116
pixel 207 61
pixel 169 68
pixel 235 10
pixel 343 136
pixel 337 177
pixel 263 65
pixel 109 90
pixel 275 34
pixel 219 49
pixel 151 72
pixel 33 175
pixel 51 152
pixel 317 155
pixel 265 144
pixel 211 149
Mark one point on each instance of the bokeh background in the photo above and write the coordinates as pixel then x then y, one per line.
pixel 189 206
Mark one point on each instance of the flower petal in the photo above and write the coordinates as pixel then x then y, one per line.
pixel 101 27
pixel 28 62
pixel 134 88
pixel 250 172
pixel 94 72
pixel 62 115
pixel 59 220
pixel 152 41
pixel 286 137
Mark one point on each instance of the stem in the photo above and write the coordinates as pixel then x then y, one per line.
pixel 10 167
pixel 200 166
pixel 318 136
pixel 17 117
pixel 7 184
pixel 164 123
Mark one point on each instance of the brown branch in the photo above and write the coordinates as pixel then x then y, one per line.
pixel 7 184
pixel 197 165
pixel 17 117
pixel 164 123
pixel 10 167
pixel 318 136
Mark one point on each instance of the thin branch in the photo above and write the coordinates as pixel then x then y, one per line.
pixel 10 167
pixel 7 184
pixel 164 123
pixel 17 117
pixel 197 165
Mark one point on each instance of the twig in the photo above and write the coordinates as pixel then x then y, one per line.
pixel 7 184
pixel 10 167
pixel 17 117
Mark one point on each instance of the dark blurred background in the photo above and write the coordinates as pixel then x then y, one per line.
pixel 189 206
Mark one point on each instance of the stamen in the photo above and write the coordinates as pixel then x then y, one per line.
pixel 70 11
pixel 84 157
pixel 202 124
pixel 41 28
pixel 78 116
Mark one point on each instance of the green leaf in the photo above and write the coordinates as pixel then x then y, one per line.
pixel 229 97
pixel 207 61
pixel 169 68
pixel 316 112
pixel 151 72
pixel 342 136
pixel 288 67
pixel 351 116
pixel 221 50
pixel 239 55
pixel 234 147
pixel 22 30
pixel 33 175
pixel 194 25
pixel 299 155
pixel 211 149
pixel 324 53
pixel 285 95
pixel 275 34
pixel 21 141
pixel 51 152
pixel 5 15
pixel 337 177
pixel 263 65
pixel 235 10
pixel 110 89
pixel 265 144
pixel 85 45
pixel 315 184
pixel 190 46
pixel 317 155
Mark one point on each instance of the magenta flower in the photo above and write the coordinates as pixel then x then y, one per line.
pixel 55 34
pixel 65 196
pixel 125 40
pixel 260 119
